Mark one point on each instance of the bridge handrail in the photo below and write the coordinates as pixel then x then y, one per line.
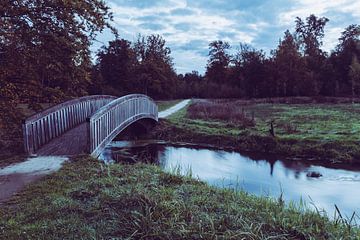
pixel 42 127
pixel 118 114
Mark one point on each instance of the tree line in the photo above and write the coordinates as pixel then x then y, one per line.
pixel 297 67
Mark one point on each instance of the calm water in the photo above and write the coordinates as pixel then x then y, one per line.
pixel 261 176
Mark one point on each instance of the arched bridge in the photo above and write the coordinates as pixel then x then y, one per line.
pixel 84 125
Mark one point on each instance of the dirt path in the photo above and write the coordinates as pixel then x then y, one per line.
pixel 173 109
pixel 14 177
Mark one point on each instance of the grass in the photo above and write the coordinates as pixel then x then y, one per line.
pixel 89 200
pixel 163 105
pixel 324 132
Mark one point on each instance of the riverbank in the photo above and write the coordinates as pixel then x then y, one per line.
pixel 87 199
pixel 327 133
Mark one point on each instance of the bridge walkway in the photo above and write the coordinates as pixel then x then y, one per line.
pixel 72 142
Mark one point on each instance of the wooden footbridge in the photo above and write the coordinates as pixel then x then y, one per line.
pixel 85 125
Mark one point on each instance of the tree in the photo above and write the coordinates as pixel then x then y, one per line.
pixel 44 54
pixel 154 72
pixel 310 33
pixel 342 57
pixel 349 38
pixel 45 45
pixel 116 64
pixel 250 63
pixel 354 75
pixel 289 66
pixel 219 59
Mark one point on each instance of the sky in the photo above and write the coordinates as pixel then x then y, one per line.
pixel 189 26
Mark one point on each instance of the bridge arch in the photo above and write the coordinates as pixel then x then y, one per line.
pixel 108 121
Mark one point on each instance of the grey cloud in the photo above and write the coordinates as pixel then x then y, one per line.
pixel 152 26
pixel 198 46
pixel 140 3
pixel 148 18
pixel 225 34
pixel 219 5
pixel 182 12
pixel 183 26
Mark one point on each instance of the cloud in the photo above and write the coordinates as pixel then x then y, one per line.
pixel 183 26
pixel 189 26
pixel 181 12
pixel 152 26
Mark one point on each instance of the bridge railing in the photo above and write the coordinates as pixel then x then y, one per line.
pixel 42 127
pixel 108 121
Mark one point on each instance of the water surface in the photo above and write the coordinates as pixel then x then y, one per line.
pixel 257 175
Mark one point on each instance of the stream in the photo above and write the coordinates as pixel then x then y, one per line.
pixel 317 186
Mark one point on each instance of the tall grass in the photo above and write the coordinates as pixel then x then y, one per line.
pixel 220 110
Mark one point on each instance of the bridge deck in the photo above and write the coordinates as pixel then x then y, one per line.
pixel 71 142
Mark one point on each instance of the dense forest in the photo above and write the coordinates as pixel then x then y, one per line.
pixel 45 57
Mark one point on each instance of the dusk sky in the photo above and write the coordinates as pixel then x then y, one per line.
pixel 189 26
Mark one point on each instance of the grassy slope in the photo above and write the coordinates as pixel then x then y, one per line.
pixel 88 200
pixel 310 131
